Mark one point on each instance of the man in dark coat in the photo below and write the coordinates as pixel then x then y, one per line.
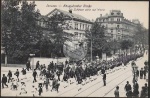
pixel 9 76
pixel 24 73
pixel 34 75
pixel 141 73
pixel 4 80
pixel 58 74
pixel 28 65
pixel 104 79
pixel 17 74
pixel 136 89
pixel 116 93
pixel 37 65
pixel 144 73
pixel 128 89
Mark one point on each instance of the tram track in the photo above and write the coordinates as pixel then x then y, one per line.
pixel 89 86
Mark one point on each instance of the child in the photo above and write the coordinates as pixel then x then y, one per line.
pixel 40 89
pixel 55 85
pixel 14 84
pixel 33 90
pixel 23 88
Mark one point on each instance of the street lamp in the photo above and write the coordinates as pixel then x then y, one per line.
pixel 32 55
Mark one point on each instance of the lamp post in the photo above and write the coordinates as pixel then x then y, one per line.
pixel 32 55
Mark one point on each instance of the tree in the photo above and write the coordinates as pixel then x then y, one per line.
pixel 140 36
pixel 10 24
pixel 56 23
pixel 126 44
pixel 20 31
pixel 97 36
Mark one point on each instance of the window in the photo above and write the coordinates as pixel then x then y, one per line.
pixel 111 30
pixel 112 19
pixel 112 13
pixel 76 25
pixel 76 33
pixel 80 26
pixel 118 13
pixel 83 26
pixel 111 35
pixel 118 19
pixel 118 26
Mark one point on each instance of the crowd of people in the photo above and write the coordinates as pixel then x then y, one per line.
pixel 82 72
pixel 134 91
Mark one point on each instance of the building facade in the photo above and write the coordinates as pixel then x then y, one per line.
pixel 118 27
pixel 74 24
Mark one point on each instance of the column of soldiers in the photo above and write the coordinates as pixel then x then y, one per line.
pixel 83 73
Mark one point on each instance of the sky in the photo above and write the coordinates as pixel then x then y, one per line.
pixel 130 9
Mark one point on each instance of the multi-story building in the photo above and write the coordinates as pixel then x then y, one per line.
pixel 117 27
pixel 73 24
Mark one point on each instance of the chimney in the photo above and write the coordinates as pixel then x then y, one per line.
pixel 100 15
pixel 70 11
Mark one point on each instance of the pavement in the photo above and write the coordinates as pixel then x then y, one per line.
pixel 116 77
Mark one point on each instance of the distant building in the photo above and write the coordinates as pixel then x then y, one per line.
pixel 118 27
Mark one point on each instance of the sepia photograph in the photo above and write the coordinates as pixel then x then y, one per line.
pixel 74 48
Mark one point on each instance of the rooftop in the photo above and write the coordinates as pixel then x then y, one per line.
pixel 72 15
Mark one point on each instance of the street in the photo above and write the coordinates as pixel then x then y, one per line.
pixel 117 76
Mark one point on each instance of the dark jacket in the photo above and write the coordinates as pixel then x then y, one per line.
pixel 4 79
pixel 127 87
pixel 17 73
pixel 104 77
pixel 23 72
pixel 137 72
pixel 141 72
pixel 9 74
pixel 34 74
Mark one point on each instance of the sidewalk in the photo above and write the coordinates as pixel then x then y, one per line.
pixel 141 82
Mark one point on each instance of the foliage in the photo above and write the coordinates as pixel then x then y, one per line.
pixel 126 44
pixel 56 23
pixel 141 35
pixel 97 36
pixel 20 32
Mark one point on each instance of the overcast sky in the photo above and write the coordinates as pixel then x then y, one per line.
pixel 130 9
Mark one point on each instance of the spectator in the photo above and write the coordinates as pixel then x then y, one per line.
pixel 137 74
pixel 40 90
pixel 143 93
pixel 4 81
pixel 34 75
pixel 28 65
pixel 9 76
pixel 136 89
pixel 37 65
pixel 17 74
pixel 146 89
pixel 128 89
pixel 24 73
pixel 104 79
pixel 141 73
pixel 116 93
pixel 144 73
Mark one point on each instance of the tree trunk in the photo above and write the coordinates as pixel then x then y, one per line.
pixel 6 60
